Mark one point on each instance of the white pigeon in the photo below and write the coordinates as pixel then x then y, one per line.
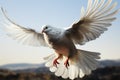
pixel 68 61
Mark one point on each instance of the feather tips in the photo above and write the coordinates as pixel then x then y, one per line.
pixel 23 35
pixel 94 21
pixel 83 64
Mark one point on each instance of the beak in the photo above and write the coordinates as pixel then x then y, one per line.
pixel 43 31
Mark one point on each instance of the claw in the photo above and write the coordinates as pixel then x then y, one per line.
pixel 66 63
pixel 55 62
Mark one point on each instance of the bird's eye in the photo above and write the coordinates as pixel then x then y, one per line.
pixel 46 27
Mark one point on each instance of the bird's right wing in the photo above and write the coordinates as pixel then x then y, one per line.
pixel 24 35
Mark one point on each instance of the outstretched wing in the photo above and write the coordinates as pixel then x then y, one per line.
pixel 24 35
pixel 93 22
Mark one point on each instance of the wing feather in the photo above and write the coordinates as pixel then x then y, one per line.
pixel 21 34
pixel 94 21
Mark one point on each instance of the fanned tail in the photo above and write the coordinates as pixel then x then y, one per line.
pixel 80 65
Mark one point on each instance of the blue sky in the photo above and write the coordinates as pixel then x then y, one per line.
pixel 58 13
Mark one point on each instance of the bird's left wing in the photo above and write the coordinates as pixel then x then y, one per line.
pixel 21 34
pixel 94 21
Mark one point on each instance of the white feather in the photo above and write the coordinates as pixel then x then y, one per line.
pixel 60 70
pixel 82 12
pixel 98 16
pixel 21 34
pixel 53 68
pixel 65 74
pixel 86 62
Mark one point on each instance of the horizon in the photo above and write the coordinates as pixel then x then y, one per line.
pixel 118 60
pixel 35 14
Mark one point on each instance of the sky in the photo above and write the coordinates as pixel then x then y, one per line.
pixel 58 13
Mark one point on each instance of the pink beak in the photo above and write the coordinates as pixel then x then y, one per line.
pixel 43 31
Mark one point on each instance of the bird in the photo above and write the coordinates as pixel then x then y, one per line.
pixel 67 61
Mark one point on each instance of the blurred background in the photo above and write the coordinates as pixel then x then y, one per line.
pixel 36 13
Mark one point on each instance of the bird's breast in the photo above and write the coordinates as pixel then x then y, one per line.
pixel 61 50
pixel 51 40
pixel 60 44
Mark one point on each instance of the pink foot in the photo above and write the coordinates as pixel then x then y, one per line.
pixel 66 63
pixel 55 62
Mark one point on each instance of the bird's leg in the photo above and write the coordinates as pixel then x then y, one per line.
pixel 66 63
pixel 55 62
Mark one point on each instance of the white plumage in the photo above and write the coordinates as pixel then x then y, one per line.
pixel 68 61
pixel 86 62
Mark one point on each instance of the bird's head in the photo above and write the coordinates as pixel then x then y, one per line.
pixel 46 29
pixel 51 31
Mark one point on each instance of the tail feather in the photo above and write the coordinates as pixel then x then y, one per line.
pixel 89 63
pixel 65 74
pixel 81 74
pixel 83 68
pixel 53 69
pixel 83 64
pixel 88 59
pixel 73 71
pixel 49 60
pixel 91 54
pixel 60 70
